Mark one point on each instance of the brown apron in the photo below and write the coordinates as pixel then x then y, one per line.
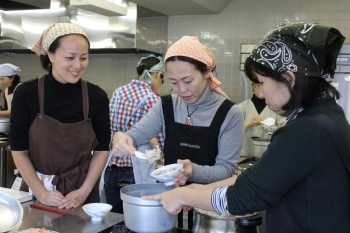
pixel 63 149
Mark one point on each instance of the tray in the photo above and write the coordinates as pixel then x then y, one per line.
pixel 11 212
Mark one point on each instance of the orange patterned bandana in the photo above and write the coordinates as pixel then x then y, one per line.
pixel 189 46
pixel 52 33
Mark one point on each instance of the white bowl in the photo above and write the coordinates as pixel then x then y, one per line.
pixel 97 210
pixel 166 176
pixel 140 155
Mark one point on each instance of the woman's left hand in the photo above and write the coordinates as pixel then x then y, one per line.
pixel 73 199
pixel 186 172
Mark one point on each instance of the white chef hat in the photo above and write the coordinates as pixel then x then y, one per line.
pixel 8 69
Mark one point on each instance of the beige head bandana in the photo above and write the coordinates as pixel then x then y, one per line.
pixel 189 46
pixel 52 33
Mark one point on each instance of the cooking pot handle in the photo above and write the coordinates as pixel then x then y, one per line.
pixel 249 221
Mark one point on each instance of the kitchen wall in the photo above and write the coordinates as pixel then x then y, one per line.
pixel 247 21
pixel 243 21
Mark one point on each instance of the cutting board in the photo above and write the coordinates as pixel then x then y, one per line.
pixel 19 195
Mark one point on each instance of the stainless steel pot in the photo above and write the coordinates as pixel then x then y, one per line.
pixel 212 222
pixel 5 125
pixel 260 146
pixel 145 216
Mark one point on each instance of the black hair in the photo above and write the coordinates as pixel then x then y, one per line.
pixel 16 80
pixel 147 64
pixel 45 60
pixel 197 64
pixel 306 92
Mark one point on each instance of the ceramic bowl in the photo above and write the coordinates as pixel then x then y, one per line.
pixel 167 174
pixel 97 210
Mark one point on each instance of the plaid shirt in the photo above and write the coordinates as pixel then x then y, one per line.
pixel 121 108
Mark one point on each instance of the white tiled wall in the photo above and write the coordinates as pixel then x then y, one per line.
pixel 243 21
pixel 247 21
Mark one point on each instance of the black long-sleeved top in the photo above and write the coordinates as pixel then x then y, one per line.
pixel 303 166
pixel 62 102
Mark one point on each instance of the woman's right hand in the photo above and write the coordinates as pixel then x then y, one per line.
pixel 51 198
pixel 122 145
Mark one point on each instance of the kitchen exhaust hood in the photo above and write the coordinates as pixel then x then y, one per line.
pixel 10 5
pixel 107 35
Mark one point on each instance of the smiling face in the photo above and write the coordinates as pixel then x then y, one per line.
pixel 6 81
pixel 188 82
pixel 70 59
pixel 276 94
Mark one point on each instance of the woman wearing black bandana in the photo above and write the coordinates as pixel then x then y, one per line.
pixel 254 111
pixel 302 178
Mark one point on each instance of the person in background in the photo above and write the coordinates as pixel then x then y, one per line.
pixel 58 119
pixel 128 105
pixel 254 111
pixel 203 129
pixel 9 78
pixel 301 177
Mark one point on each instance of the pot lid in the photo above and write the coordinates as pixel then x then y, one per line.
pixel 133 193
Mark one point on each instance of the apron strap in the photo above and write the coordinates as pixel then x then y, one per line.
pixel 221 113
pixel 143 100
pixel 41 93
pixel 168 109
pixel 84 90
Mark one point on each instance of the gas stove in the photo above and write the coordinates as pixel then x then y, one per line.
pixel 121 228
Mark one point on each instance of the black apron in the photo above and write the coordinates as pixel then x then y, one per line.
pixel 199 144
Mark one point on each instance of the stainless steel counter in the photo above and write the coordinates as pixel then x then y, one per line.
pixel 78 221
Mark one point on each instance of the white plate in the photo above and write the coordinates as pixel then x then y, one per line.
pixel 11 212
pixel 140 155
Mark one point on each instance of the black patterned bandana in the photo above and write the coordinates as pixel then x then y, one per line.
pixel 308 50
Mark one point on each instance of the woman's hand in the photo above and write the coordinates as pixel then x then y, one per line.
pixel 51 198
pixel 186 172
pixel 170 200
pixel 122 145
pixel 255 121
pixel 73 199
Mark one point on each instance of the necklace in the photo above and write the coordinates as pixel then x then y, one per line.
pixel 189 120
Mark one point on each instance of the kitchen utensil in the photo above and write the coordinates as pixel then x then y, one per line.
pixel 11 212
pixel 259 146
pixel 146 216
pixel 97 210
pixel 212 222
pixel 269 121
pixel 140 155
pixel 4 125
pixel 41 207
pixel 167 174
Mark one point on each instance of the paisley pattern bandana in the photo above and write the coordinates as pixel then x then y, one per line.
pixel 308 50
pixel 189 46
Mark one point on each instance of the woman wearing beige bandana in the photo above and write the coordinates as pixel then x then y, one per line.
pixel 58 119
pixel 203 129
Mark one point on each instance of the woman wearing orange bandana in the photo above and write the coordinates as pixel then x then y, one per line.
pixel 203 129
